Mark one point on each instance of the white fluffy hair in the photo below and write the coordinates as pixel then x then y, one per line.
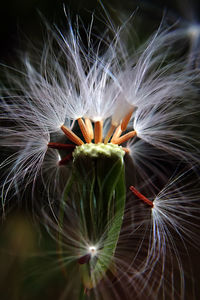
pixel 98 82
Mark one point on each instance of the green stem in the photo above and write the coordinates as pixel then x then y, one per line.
pixel 97 187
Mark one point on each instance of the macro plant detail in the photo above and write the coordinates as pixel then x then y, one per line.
pixel 100 164
pixel 103 141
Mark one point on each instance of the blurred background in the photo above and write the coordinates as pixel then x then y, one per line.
pixel 26 269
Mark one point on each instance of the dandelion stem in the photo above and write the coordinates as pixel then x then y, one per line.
pixel 84 259
pixel 98 132
pixel 109 134
pixel 65 160
pixel 142 197
pixel 83 293
pixel 90 131
pixel 72 136
pixel 126 149
pixel 61 146
pixel 84 130
pixel 117 133
pixel 126 120
pixel 124 138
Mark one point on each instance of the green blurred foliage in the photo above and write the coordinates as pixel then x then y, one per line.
pixel 27 256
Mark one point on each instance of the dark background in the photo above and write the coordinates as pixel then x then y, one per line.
pixel 20 19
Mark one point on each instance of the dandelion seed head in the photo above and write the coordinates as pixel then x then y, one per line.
pixel 140 94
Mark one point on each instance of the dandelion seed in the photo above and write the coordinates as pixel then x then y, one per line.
pixel 142 197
